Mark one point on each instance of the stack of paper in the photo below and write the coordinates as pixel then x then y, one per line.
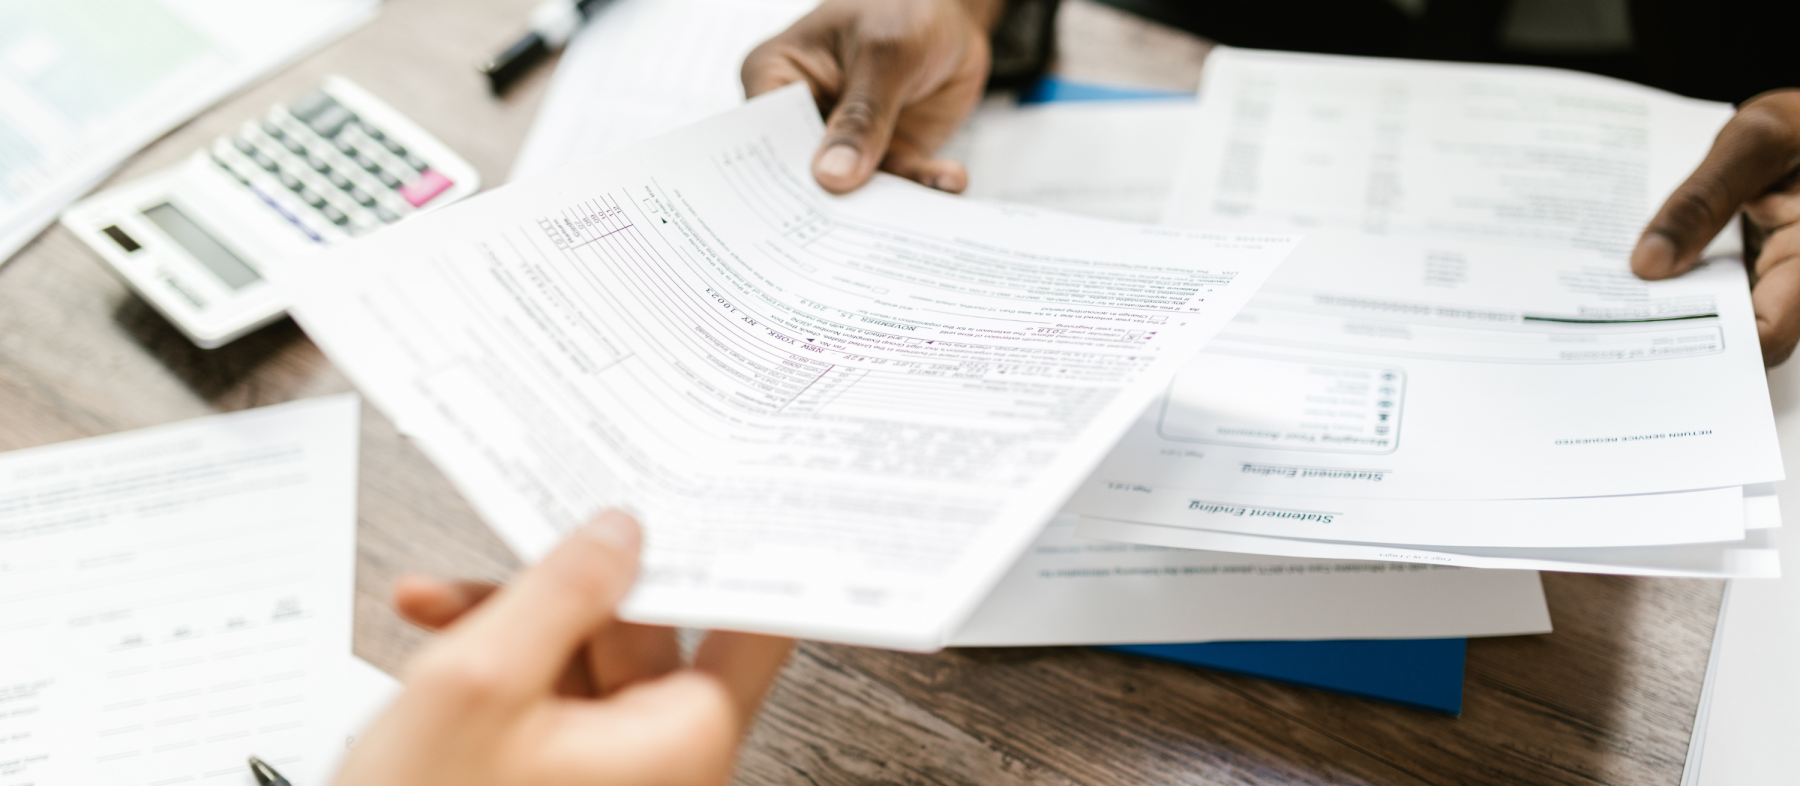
pixel 1072 590
pixel 1745 728
pixel 1457 367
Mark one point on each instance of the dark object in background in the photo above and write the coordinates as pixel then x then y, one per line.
pixel 1023 44
pixel 513 63
pixel 1371 28
pixel 1724 50
pixel 553 22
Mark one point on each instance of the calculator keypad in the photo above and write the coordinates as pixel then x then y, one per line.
pixel 327 170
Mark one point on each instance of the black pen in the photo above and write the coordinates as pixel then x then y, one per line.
pixel 266 775
pixel 551 26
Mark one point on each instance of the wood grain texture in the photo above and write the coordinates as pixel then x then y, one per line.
pixel 1607 699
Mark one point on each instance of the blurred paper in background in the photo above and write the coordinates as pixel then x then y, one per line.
pixel 85 83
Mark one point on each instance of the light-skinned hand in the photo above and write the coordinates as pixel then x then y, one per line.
pixel 1754 167
pixel 894 77
pixel 539 684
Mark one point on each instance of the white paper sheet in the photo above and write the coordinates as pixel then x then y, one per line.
pixel 175 599
pixel 839 418
pixel 363 692
pixel 85 83
pixel 1071 590
pixel 1355 374
pixel 1745 730
pixel 1709 516
pixel 1523 156
pixel 1107 159
pixel 640 68
pixel 1753 557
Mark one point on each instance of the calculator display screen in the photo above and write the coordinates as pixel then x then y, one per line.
pixel 201 245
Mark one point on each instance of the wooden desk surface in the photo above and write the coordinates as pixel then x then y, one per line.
pixel 1609 698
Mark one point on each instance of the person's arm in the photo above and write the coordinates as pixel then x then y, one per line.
pixel 1754 167
pixel 895 77
pixel 539 683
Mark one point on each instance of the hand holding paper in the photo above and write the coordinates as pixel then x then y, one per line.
pixel 897 79
pixel 539 683
pixel 1754 166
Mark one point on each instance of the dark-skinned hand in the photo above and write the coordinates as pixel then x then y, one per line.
pixel 894 79
pixel 1753 168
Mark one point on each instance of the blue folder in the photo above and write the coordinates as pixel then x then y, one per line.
pixel 1421 673
pixel 1052 88
pixel 1425 674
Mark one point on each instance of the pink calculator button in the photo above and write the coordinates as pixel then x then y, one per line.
pixel 430 183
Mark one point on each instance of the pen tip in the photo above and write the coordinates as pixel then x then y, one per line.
pixel 263 772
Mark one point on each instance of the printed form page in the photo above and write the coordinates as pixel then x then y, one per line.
pixel 1414 357
pixel 838 418
pixel 175 599
pixel 1065 590
pixel 1355 376
pixel 1012 153
pixel 1513 155
pixel 1071 590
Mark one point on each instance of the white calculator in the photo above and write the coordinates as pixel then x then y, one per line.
pixel 195 240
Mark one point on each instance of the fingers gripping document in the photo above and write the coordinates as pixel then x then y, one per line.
pixel 839 418
pixel 175 599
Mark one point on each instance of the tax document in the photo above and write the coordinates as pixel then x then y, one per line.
pixel 1460 326
pixel 85 83
pixel 175 599
pixel 1522 156
pixel 1063 155
pixel 1070 590
pixel 838 418
pixel 1396 368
